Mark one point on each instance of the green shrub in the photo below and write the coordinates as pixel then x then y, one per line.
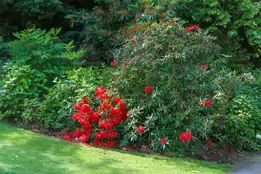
pixel 43 51
pixel 20 83
pixel 243 119
pixel 56 111
pixel 37 57
pixel 170 60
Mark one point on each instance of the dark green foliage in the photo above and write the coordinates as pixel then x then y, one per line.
pixel 43 51
pixel 235 23
pixel 244 118
pixel 17 15
pixel 4 50
pixel 20 83
pixel 37 57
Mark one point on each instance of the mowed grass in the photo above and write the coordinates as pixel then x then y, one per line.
pixel 24 152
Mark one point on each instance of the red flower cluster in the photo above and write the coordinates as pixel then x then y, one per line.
pixel 194 28
pixel 101 93
pixel 210 143
pixel 204 67
pixel 163 141
pixel 105 121
pixel 148 90
pixel 132 38
pixel 141 129
pixel 187 136
pixel 206 103
pixel 113 64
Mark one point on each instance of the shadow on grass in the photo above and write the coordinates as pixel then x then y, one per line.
pixel 176 160
pixel 28 153
pixel 25 152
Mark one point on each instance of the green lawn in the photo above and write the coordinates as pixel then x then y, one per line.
pixel 24 152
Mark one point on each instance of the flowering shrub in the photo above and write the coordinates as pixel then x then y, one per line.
pixel 174 83
pixel 102 123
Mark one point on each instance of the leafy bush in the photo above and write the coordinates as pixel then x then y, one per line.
pixel 20 83
pixel 57 108
pixel 243 119
pixel 37 57
pixel 43 51
pixel 174 82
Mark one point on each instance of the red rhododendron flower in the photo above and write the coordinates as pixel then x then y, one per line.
pixel 141 129
pixel 195 27
pixel 148 90
pixel 83 139
pixel 85 109
pixel 110 144
pixel 98 136
pixel 122 103
pixel 204 67
pixel 232 150
pixel 104 107
pixel 101 93
pixel 183 138
pixel 206 103
pixel 85 101
pixel 188 136
pixel 115 112
pixel 163 141
pixel 94 118
pixel 113 64
pixel 77 117
pixel 76 107
pixel 77 133
pixel 113 134
pixel 68 136
pixel 116 100
pixel 188 29
pixel 210 143
pixel 132 38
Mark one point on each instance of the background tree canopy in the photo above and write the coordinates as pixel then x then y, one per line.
pixel 101 23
